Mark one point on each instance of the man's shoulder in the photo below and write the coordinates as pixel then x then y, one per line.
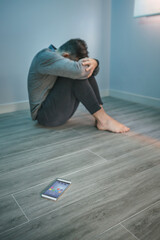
pixel 46 53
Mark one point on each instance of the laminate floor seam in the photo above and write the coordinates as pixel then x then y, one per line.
pixel 8 230
pixel 36 148
pixel 69 154
pixel 89 150
pixel 129 231
pixel 84 169
pixel 110 228
pixel 66 141
pixel 44 162
pixel 51 179
pixel 63 206
pixel 56 209
pixel 128 176
pixel 125 154
pixel 20 208
pixel 121 222
pixel 151 205
pixel 26 189
pixel 77 171
pixel 47 145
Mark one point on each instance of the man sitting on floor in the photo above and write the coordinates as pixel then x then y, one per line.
pixel 59 79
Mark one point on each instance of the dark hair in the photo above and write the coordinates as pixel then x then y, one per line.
pixel 75 47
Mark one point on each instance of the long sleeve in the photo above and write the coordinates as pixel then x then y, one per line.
pixel 54 64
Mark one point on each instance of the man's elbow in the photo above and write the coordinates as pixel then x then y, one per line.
pixel 81 71
pixel 84 74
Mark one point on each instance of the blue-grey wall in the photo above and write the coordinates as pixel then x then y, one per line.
pixel 27 26
pixel 135 51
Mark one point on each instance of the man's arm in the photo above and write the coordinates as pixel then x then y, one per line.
pixel 57 65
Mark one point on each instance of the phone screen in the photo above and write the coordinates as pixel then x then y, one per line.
pixel 56 189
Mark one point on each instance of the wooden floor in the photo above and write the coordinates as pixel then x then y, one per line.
pixel 115 191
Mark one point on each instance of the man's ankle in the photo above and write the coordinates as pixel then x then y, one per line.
pixel 100 115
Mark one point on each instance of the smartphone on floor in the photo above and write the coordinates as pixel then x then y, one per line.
pixel 56 189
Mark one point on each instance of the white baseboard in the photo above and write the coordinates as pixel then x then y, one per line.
pixel 104 93
pixel 12 107
pixel 16 106
pixel 150 101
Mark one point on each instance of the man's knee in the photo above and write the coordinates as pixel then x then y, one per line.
pixel 65 79
pixel 81 81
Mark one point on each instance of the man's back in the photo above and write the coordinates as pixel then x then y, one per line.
pixel 43 72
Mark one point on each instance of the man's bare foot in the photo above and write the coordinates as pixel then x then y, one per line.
pixel 106 123
pixel 110 124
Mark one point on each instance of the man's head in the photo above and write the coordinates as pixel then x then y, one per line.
pixel 74 49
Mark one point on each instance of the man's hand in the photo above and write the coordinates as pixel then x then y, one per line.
pixel 91 63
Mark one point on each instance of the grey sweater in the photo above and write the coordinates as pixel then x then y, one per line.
pixel 46 66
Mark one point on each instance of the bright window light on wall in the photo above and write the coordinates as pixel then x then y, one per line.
pixel 144 8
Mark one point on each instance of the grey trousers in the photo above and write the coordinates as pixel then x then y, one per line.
pixel 64 98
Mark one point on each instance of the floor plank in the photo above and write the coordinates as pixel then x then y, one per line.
pixel 90 180
pixel 116 233
pixel 48 152
pixel 30 176
pixel 115 177
pixel 146 224
pixel 10 214
pixel 107 208
pixel 19 145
